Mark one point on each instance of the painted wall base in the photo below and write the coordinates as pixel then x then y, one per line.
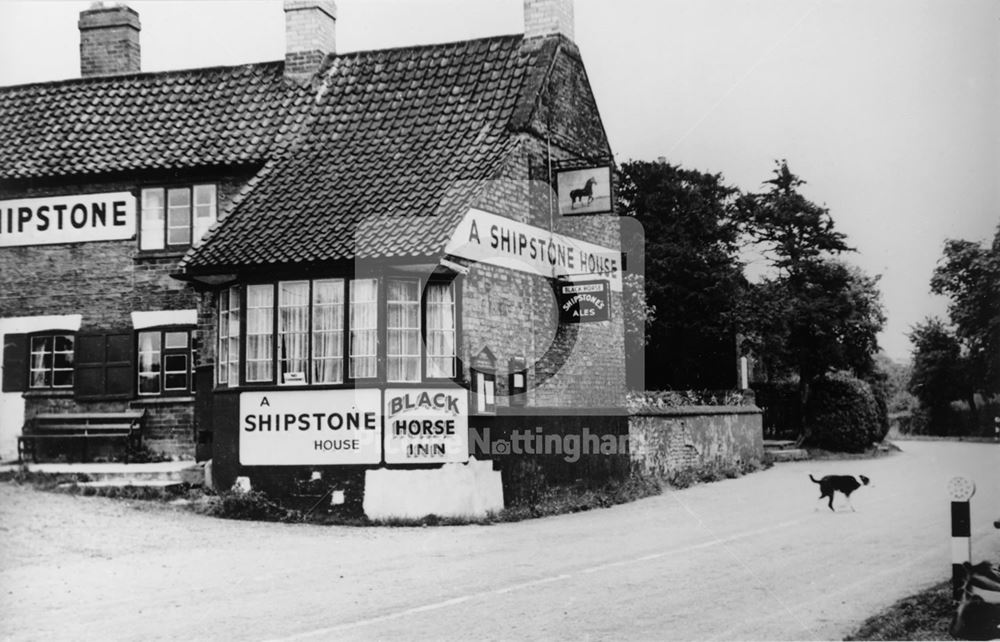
pixel 454 490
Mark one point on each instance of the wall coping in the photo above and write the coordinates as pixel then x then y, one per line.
pixel 688 411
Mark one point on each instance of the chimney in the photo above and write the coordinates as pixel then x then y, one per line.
pixel 310 34
pixel 548 17
pixel 109 40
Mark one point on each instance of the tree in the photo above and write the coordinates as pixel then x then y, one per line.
pixel 969 274
pixel 939 373
pixel 812 314
pixel 692 275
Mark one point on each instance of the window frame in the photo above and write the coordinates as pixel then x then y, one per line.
pixel 163 235
pixel 346 380
pixel 164 352
pixel 51 370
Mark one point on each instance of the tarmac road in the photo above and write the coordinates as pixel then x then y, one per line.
pixel 740 559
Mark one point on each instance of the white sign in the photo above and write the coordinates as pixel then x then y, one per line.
pixel 67 219
pixel 310 427
pixel 492 239
pixel 426 425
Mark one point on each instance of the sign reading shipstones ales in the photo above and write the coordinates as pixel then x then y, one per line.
pixel 310 427
pixel 426 425
pixel 67 219
pixel 584 302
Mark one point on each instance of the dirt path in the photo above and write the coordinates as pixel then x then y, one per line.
pixel 740 559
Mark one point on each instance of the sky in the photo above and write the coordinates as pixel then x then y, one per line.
pixel 888 109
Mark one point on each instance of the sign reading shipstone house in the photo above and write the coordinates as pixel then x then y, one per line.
pixel 310 427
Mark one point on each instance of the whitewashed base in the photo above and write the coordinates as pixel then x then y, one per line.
pixel 455 490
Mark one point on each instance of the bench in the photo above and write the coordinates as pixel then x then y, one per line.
pixel 81 427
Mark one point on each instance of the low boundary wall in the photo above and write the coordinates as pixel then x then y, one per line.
pixel 666 440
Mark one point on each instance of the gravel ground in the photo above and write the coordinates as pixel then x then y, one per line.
pixel 739 559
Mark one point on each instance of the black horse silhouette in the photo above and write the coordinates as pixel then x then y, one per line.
pixel 585 192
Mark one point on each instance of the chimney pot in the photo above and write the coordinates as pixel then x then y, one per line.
pixel 109 40
pixel 310 35
pixel 548 17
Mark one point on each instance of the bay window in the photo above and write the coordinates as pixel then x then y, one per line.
pixel 364 328
pixel 293 331
pixel 440 315
pixel 260 333
pixel 229 337
pixel 403 328
pixel 330 331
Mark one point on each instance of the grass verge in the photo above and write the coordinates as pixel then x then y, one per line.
pixel 924 616
pixel 258 506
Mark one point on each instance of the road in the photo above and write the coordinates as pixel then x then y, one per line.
pixel 740 559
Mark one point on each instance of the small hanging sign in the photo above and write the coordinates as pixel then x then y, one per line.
pixel 584 302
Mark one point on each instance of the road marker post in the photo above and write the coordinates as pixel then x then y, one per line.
pixel 960 489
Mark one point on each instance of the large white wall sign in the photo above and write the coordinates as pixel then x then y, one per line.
pixel 67 219
pixel 426 425
pixel 489 238
pixel 310 427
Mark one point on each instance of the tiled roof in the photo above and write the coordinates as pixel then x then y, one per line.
pixel 397 142
pixel 167 120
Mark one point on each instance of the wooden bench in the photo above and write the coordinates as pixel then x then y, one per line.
pixel 81 427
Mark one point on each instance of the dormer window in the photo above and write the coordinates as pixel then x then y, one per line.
pixel 176 217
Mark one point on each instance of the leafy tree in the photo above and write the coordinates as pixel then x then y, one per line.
pixel 813 313
pixel 693 276
pixel 969 274
pixel 939 372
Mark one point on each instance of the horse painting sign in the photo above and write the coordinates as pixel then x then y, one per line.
pixel 584 190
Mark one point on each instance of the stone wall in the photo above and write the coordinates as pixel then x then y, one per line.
pixel 665 441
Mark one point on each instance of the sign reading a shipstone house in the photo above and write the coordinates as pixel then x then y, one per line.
pixel 310 427
pixel 67 219
pixel 584 302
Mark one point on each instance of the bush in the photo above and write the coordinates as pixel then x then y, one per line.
pixel 842 414
pixel 251 504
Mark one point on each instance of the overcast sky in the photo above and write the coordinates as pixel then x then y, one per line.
pixel 889 109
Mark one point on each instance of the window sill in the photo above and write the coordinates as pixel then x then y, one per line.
pixel 156 401
pixel 49 393
pixel 151 255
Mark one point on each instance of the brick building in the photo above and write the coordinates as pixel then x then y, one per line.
pixel 276 260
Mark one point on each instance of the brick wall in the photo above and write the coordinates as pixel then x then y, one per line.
pixel 692 437
pixel 105 281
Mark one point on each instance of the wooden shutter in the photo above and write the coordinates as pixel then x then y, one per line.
pixel 103 366
pixel 15 362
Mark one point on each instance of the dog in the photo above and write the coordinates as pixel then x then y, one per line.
pixel 845 484
pixel 585 192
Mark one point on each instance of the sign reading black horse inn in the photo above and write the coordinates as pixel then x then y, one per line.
pixel 584 302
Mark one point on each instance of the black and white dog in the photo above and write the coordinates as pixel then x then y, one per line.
pixel 845 484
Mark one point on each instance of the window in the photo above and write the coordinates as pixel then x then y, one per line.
pixel 164 362
pixel 176 216
pixel 51 364
pixel 440 315
pixel 260 333
pixel 364 328
pixel 229 337
pixel 293 330
pixel 328 331
pixel 403 330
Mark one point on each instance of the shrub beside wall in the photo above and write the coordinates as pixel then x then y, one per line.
pixel 842 414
